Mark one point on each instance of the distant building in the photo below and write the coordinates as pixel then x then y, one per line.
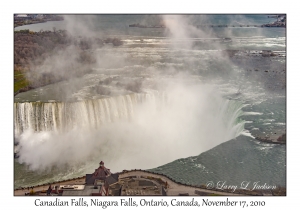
pixel 33 16
pixel 39 16
pixel 22 17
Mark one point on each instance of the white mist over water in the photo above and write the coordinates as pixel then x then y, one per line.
pixel 121 131
pixel 187 120
pixel 192 119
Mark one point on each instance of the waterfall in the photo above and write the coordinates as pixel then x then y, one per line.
pixel 92 114
pixel 126 130
pixel 63 116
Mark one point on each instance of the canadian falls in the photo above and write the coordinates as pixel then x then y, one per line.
pixel 191 102
pixel 186 121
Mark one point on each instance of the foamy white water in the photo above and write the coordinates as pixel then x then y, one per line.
pixel 126 129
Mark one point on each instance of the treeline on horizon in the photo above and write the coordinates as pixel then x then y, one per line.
pixel 32 48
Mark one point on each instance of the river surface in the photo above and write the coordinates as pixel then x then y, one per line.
pixel 175 103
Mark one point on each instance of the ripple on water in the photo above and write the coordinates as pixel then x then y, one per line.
pixel 233 161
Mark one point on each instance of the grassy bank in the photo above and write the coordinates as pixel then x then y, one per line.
pixel 20 81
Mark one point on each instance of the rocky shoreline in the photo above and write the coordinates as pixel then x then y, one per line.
pixel 31 49
pixel 280 140
pixel 29 20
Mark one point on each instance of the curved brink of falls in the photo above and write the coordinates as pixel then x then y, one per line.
pixel 63 116
pixel 142 130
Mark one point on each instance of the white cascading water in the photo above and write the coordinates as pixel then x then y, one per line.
pixel 60 116
pixel 142 130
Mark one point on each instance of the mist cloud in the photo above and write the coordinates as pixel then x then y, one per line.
pixel 194 118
